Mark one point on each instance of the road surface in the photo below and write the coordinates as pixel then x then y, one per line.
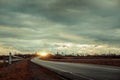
pixel 86 71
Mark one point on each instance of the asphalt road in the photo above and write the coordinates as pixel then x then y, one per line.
pixel 87 71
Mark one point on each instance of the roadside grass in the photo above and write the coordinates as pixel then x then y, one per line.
pixel 110 62
pixel 1 64
pixel 26 70
pixel 15 72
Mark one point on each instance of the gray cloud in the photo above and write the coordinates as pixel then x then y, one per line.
pixel 37 22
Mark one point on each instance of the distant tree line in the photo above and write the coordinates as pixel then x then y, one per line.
pixel 87 56
pixel 67 56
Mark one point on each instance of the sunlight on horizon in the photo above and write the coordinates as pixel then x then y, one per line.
pixel 42 53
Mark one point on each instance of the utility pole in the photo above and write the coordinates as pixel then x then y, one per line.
pixel 10 58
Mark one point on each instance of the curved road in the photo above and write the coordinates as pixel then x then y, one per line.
pixel 86 71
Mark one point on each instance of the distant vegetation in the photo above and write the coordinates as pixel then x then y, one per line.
pixel 109 56
pixel 65 56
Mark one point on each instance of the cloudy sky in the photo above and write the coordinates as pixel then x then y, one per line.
pixel 80 26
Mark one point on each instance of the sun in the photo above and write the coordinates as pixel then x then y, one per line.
pixel 42 54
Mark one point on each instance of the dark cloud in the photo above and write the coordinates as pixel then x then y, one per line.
pixel 76 21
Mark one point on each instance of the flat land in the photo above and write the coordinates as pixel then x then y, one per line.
pixel 110 62
pixel 26 70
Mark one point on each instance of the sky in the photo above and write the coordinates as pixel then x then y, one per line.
pixel 69 26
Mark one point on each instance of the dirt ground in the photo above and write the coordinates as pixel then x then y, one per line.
pixel 26 70
pixel 110 62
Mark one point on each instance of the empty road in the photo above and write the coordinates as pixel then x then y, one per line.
pixel 86 71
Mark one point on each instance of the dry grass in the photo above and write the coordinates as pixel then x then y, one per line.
pixel 15 72
pixel 26 70
pixel 1 65
pixel 111 62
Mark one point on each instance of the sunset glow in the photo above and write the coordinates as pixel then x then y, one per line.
pixel 42 54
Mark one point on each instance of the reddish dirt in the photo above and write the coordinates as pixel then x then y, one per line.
pixel 26 70
pixel 111 62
